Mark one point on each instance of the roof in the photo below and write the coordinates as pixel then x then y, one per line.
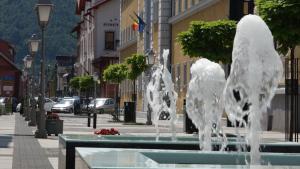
pixel 9 62
pixel 6 48
pixel 98 4
pixel 80 5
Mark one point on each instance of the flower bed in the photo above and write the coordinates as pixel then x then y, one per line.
pixel 52 116
pixel 111 131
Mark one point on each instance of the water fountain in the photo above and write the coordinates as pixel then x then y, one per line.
pixel 161 94
pixel 255 73
pixel 204 99
pixel 256 70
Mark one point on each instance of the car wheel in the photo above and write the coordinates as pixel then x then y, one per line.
pixel 71 111
pixel 101 111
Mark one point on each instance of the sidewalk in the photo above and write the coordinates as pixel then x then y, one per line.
pixel 20 150
pixel 7 129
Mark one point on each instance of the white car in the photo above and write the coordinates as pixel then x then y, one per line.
pixel 64 106
pixel 49 104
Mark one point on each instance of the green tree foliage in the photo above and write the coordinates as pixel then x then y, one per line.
pixel 136 66
pixel 283 19
pixel 75 82
pixel 19 21
pixel 115 73
pixel 86 82
pixel 212 40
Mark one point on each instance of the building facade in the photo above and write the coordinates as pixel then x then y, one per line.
pixel 98 38
pixel 9 73
pixel 168 19
pixel 64 72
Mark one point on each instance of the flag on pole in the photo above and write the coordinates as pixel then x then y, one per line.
pixel 140 22
pixel 135 26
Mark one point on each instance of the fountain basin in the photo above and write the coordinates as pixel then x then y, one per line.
pixel 100 158
pixel 68 143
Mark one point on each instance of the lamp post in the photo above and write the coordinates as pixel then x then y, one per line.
pixel 33 46
pixel 27 64
pixel 43 9
pixel 150 61
pixel 95 77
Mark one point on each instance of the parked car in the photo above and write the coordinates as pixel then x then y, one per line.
pixel 48 104
pixel 66 105
pixel 103 105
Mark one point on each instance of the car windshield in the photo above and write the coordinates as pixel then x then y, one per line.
pixel 98 102
pixel 66 102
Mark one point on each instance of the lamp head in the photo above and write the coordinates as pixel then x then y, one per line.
pixel 44 9
pixel 33 44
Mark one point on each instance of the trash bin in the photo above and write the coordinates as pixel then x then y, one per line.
pixel 129 112
pixel 189 126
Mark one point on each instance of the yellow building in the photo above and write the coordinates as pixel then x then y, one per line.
pixel 164 27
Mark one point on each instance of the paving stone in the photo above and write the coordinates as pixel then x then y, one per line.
pixel 27 154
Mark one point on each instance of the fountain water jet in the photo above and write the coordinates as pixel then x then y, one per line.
pixel 255 72
pixel 161 94
pixel 204 104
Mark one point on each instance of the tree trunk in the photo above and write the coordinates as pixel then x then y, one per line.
pixel 134 92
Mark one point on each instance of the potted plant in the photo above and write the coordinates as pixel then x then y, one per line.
pixel 53 124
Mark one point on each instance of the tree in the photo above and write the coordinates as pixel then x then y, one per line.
pixel 86 83
pixel 116 74
pixel 212 40
pixel 283 19
pixel 75 83
pixel 136 66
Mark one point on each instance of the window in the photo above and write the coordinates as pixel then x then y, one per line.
pixel 185 4
pixel 109 40
pixel 192 3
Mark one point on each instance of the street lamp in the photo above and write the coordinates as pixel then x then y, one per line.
pixel 27 64
pixel 150 61
pixel 43 9
pixel 95 77
pixel 33 47
pixel 150 57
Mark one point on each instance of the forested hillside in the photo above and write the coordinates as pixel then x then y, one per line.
pixel 18 21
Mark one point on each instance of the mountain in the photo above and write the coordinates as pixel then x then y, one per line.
pixel 18 21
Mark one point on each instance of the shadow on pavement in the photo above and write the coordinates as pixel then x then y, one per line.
pixel 5 140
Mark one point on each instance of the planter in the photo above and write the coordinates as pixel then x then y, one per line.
pixel 54 126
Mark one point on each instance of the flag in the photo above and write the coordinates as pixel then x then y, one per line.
pixel 141 23
pixel 135 26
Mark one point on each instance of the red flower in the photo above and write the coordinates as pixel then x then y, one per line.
pixel 52 116
pixel 111 131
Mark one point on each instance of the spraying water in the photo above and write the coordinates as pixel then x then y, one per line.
pixel 255 72
pixel 161 94
pixel 204 104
